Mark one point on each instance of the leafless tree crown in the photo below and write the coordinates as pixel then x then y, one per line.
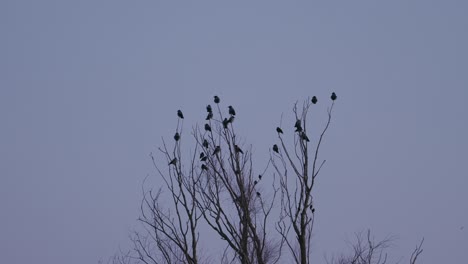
pixel 217 185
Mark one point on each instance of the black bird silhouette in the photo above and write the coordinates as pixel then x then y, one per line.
pixel 173 162
pixel 207 127
pixel 298 126
pixel 217 150
pixel 313 210
pixel 225 123
pixel 231 119
pixel 237 149
pixel 304 137
pixel 202 154
pixel 231 110
pixel 333 96
pixel 258 194
pixel 275 148
pixel 255 182
pixel 179 114
pixel 314 99
pixel 204 158
pixel 177 136
pixel 205 143
pixel 298 123
pixel 216 99
pixel 279 130
pixel 204 167
pixel 209 116
pixel 208 109
pixel 260 176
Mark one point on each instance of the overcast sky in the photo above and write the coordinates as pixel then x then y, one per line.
pixel 88 88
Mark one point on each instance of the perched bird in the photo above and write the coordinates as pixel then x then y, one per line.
pixel 216 99
pixel 209 116
pixel 314 99
pixel 304 137
pixel 173 162
pixel 231 110
pixel 298 123
pixel 237 149
pixel 207 127
pixel 333 96
pixel 231 119
pixel 179 114
pixel 177 136
pixel 279 130
pixel 313 210
pixel 205 143
pixel 298 126
pixel 202 154
pixel 225 123
pixel 255 182
pixel 208 109
pixel 217 150
pixel 204 167
pixel 260 176
pixel 258 194
pixel 204 158
pixel 275 148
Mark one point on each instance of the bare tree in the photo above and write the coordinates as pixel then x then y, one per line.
pixel 297 209
pixel 216 184
pixel 171 233
pixel 365 250
pixel 227 195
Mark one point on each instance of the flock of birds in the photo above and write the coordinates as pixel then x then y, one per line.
pixel 226 121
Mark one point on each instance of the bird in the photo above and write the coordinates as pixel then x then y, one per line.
pixel 258 194
pixel 231 119
pixel 217 150
pixel 204 158
pixel 255 182
pixel 237 149
pixel 216 99
pixel 279 130
pixel 207 127
pixel 205 143
pixel 225 123
pixel 275 148
pixel 298 123
pixel 202 154
pixel 209 116
pixel 260 176
pixel 298 126
pixel 204 167
pixel 173 162
pixel 304 137
pixel 177 136
pixel 314 99
pixel 180 115
pixel 333 96
pixel 208 109
pixel 231 110
pixel 313 210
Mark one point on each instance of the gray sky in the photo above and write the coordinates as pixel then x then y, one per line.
pixel 88 88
